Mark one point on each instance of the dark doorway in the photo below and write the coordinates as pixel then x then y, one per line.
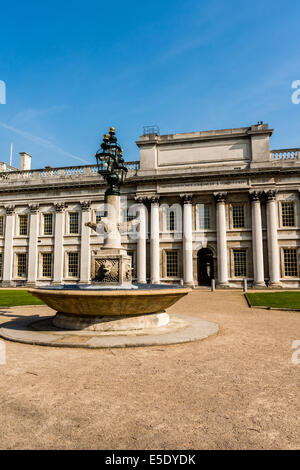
pixel 205 267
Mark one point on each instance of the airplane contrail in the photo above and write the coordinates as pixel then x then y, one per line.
pixel 43 142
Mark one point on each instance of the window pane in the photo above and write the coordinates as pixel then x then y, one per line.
pixel 73 264
pixel 240 263
pixel 21 264
pixel 23 224
pixel 73 222
pixel 204 216
pixel 288 214
pixel 290 262
pixel 172 263
pixel 48 224
pixel 1 264
pixel 46 264
pixel 238 216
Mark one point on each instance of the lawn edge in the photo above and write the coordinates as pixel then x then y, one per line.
pixel 267 307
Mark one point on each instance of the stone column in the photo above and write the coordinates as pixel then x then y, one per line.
pixel 221 240
pixel 58 263
pixel 257 240
pixel 273 251
pixel 8 247
pixel 85 261
pixel 112 236
pixel 141 241
pixel 32 246
pixel 187 240
pixel 154 241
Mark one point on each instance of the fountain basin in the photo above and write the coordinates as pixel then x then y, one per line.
pixel 83 300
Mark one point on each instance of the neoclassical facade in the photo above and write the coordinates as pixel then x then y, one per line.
pixel 207 205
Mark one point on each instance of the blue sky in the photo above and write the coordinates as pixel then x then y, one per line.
pixel 74 68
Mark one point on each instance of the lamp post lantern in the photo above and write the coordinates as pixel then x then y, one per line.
pixel 110 163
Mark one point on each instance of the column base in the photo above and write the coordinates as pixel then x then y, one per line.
pixel 8 284
pixel 30 284
pixel 189 284
pixel 275 285
pixel 259 285
pixel 222 285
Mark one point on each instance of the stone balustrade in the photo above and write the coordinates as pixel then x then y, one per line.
pixel 285 154
pixel 40 175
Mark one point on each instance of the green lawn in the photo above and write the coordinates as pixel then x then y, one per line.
pixel 9 298
pixel 275 299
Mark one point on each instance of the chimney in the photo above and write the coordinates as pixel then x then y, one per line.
pixel 25 161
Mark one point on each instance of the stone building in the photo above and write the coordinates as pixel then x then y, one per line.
pixel 211 205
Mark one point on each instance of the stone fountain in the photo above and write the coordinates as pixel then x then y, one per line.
pixel 111 311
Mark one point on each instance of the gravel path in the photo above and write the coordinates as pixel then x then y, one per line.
pixel 236 390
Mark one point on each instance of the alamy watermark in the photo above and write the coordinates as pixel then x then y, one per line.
pixel 296 353
pixel 2 92
pixel 296 94
pixel 2 353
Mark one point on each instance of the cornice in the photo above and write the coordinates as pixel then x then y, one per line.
pixel 167 178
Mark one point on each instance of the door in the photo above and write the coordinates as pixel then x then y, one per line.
pixel 205 267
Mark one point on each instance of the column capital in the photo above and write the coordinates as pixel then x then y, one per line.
pixel 186 198
pixel 255 195
pixel 10 209
pixel 60 206
pixel 85 205
pixel 33 208
pixel 154 199
pixel 220 197
pixel 271 194
pixel 141 199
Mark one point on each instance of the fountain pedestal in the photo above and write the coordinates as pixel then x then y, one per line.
pixel 110 323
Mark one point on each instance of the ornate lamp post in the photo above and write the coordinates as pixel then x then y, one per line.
pixel 110 163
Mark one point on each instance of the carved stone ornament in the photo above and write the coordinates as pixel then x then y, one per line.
pixel 220 197
pixel 33 208
pixel 186 198
pixel 60 206
pixel 271 194
pixel 9 210
pixel 85 205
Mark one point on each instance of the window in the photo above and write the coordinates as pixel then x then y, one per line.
pixel 1 225
pixel 131 254
pixel 171 220
pixel 73 223
pixel 290 262
pixel 240 263
pixel 288 214
pixel 46 264
pixel 73 264
pixel 99 214
pixel 1 264
pixel 204 216
pixel 172 263
pixel 48 224
pixel 127 217
pixel 238 216
pixel 21 264
pixel 23 224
